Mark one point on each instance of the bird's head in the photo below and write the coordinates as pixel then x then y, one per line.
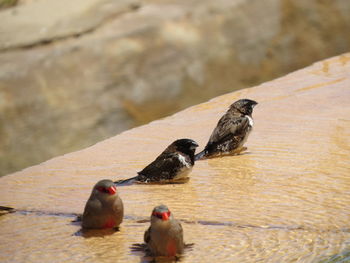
pixel 244 106
pixel 186 146
pixel 161 212
pixel 105 187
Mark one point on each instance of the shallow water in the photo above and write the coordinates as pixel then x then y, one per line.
pixel 287 199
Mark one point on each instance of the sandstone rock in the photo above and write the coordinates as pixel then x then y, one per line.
pixel 82 71
pixel 285 200
pixel 48 20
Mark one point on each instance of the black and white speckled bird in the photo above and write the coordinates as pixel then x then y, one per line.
pixel 165 235
pixel 172 166
pixel 231 132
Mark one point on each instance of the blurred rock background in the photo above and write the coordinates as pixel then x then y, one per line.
pixel 73 73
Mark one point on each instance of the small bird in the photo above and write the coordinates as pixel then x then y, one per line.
pixel 104 209
pixel 172 166
pixel 231 132
pixel 165 235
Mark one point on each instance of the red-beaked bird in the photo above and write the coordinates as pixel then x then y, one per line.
pixel 165 235
pixel 104 209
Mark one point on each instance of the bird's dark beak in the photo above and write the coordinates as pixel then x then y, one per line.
pixel 194 145
pixel 112 190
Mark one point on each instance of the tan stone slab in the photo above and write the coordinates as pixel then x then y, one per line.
pixel 285 200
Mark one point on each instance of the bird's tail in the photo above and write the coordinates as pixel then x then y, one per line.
pixel 6 209
pixel 199 156
pixel 126 181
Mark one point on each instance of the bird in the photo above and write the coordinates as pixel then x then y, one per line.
pixel 231 131
pixel 104 208
pixel 164 237
pixel 172 166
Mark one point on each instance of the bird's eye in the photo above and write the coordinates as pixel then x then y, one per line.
pixel 102 189
pixel 160 215
pixel 157 214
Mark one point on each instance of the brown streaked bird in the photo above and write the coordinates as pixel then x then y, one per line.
pixel 165 235
pixel 173 165
pixel 104 209
pixel 231 132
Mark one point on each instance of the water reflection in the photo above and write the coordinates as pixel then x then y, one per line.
pixel 140 249
pixel 88 233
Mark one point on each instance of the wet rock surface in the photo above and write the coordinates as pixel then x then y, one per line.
pixel 74 73
pixel 285 200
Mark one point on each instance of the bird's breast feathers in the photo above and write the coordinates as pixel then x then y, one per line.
pixel 185 167
pixel 183 160
pixel 250 119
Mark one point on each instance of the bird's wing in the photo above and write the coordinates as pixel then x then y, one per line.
pixel 227 127
pixel 147 235
pixel 176 233
pixel 118 206
pixel 92 207
pixel 164 167
pixel 178 227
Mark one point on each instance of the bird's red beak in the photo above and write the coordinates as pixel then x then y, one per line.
pixel 165 216
pixel 112 190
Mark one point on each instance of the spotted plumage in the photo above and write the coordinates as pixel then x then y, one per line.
pixel 173 165
pixel 232 130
